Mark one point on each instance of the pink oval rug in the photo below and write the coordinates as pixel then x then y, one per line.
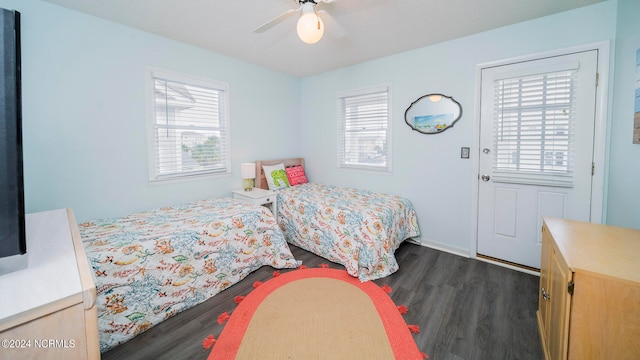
pixel 316 314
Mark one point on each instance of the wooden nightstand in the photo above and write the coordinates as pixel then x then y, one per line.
pixel 589 291
pixel 259 197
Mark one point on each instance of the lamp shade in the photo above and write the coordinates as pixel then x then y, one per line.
pixel 310 27
pixel 248 170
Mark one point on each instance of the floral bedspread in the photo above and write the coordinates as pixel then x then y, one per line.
pixel 356 228
pixel 151 265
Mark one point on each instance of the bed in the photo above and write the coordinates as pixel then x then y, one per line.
pixel 356 228
pixel 151 265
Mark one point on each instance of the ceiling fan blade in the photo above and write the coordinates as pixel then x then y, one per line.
pixel 331 25
pixel 277 20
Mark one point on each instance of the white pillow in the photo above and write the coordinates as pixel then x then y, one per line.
pixel 276 176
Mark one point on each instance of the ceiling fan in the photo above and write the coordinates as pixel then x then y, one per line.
pixel 310 26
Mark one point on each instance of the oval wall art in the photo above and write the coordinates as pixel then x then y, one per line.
pixel 432 113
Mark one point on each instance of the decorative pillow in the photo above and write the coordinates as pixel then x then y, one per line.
pixel 296 175
pixel 276 176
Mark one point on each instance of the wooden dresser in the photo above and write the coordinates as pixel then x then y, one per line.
pixel 48 310
pixel 589 301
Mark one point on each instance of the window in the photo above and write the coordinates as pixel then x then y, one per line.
pixel 364 133
pixel 189 127
pixel 534 129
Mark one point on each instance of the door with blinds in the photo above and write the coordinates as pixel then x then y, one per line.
pixel 536 151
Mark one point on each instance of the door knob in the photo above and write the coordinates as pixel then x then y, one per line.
pixel 486 151
pixel 485 178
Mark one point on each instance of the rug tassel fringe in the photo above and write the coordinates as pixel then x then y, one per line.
pixel 208 342
pixel 223 317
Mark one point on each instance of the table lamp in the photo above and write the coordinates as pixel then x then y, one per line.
pixel 248 173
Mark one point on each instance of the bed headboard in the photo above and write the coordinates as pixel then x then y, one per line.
pixel 261 180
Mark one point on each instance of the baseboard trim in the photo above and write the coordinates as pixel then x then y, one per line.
pixel 464 253
pixel 442 247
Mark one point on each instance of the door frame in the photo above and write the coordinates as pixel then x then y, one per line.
pixel 601 135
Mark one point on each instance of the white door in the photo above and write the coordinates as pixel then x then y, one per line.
pixel 536 151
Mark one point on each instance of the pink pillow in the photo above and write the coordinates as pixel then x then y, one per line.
pixel 296 175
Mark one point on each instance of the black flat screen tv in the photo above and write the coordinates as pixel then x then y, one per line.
pixel 13 243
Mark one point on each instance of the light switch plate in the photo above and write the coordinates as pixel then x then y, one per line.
pixel 464 152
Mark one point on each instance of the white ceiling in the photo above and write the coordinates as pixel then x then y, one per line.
pixel 356 30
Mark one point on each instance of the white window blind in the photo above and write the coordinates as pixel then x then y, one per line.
pixel 364 132
pixel 190 130
pixel 534 129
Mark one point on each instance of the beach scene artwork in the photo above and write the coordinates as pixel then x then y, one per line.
pixel 432 123
pixel 432 113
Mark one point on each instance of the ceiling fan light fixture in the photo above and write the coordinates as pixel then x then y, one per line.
pixel 310 27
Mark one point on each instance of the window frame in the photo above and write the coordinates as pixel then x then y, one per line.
pixel 341 125
pixel 154 175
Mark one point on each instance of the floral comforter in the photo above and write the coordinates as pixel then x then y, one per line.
pixel 151 265
pixel 356 228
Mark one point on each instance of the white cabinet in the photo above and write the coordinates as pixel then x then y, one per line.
pixel 259 197
pixel 48 310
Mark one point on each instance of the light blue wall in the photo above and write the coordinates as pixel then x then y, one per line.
pixel 624 159
pixel 84 104
pixel 427 168
pixel 85 111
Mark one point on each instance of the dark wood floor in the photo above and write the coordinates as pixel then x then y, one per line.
pixel 466 309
